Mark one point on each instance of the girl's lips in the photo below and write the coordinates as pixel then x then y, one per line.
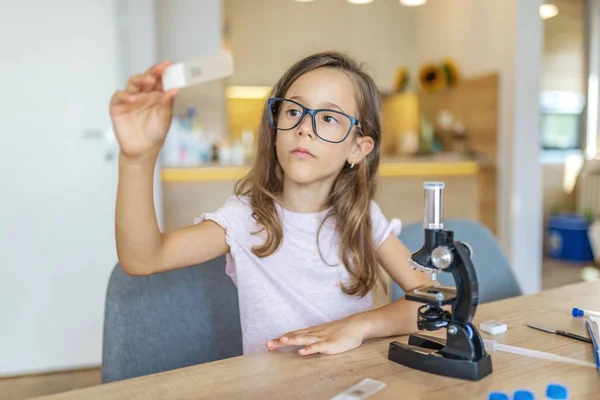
pixel 301 152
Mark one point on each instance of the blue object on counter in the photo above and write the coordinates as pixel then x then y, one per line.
pixel 498 396
pixel 580 312
pixel 557 392
pixel 568 238
pixel 577 312
pixel 523 395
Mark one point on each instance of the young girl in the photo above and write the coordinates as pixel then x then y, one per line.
pixel 302 234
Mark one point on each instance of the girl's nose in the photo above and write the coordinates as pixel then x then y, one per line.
pixel 306 127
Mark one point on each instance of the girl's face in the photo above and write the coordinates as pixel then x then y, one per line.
pixel 304 157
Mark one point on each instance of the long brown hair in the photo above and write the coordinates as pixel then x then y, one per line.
pixel 353 189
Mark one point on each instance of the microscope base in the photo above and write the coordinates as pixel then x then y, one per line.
pixel 421 354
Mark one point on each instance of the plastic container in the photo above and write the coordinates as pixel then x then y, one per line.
pixel 568 238
pixel 498 396
pixel 523 395
pixel 555 391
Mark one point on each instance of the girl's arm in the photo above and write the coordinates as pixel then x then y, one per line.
pixel 400 316
pixel 141 114
pixel 141 247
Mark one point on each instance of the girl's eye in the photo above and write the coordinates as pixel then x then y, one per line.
pixel 330 119
pixel 293 113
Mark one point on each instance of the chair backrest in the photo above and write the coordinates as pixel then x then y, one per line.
pixel 170 320
pixel 494 275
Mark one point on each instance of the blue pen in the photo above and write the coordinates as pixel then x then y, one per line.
pixel 594 336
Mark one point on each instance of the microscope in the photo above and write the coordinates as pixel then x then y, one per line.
pixel 462 354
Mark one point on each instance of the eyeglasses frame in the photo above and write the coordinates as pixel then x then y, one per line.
pixel 312 112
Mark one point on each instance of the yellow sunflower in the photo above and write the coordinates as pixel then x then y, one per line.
pixel 401 79
pixel 432 77
pixel 451 71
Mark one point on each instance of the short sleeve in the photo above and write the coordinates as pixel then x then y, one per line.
pixel 231 217
pixel 227 217
pixel 381 226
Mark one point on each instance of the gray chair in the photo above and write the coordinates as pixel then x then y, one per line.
pixel 494 274
pixel 170 320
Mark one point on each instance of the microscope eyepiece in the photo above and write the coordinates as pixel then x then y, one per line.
pixel 434 205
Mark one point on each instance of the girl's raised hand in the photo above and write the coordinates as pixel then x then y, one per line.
pixel 141 114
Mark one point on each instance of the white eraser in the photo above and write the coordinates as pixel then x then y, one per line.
pixel 205 69
pixel 362 390
pixel 493 327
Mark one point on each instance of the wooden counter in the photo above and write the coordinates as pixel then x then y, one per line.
pixel 286 375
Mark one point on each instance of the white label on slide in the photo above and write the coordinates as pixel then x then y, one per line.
pixel 362 390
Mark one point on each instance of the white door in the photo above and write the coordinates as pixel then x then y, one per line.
pixel 59 67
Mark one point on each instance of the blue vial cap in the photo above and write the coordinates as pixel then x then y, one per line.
pixel 523 395
pixel 577 312
pixel 498 396
pixel 555 392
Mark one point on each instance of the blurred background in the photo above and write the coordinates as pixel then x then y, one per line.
pixel 498 99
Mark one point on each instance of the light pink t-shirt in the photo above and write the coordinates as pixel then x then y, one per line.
pixel 293 288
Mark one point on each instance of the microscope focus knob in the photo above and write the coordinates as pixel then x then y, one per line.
pixel 441 257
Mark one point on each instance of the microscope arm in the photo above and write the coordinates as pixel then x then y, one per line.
pixel 463 272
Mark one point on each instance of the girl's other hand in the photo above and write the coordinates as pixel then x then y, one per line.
pixel 331 338
pixel 141 114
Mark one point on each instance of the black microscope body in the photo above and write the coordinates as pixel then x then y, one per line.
pixel 462 354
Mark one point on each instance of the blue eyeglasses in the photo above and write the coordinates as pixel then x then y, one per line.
pixel 329 125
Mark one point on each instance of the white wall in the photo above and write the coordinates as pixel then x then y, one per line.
pixel 64 59
pixel 58 72
pixel 138 50
pixel 526 208
pixel 564 48
pixel 490 36
pixel 190 29
pixel 268 36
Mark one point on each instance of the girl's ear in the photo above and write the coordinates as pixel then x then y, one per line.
pixel 361 148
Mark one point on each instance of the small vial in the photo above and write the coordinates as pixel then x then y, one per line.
pixel 498 396
pixel 579 312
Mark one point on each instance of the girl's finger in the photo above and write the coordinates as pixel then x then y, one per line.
pixel 122 97
pixel 158 69
pixel 135 83
pixel 158 86
pixel 135 101
pixel 300 340
pixel 324 347
pixel 292 341
pixel 168 97
pixel 148 83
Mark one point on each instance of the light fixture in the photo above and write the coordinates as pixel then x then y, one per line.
pixel 360 1
pixel 247 92
pixel 412 3
pixel 548 11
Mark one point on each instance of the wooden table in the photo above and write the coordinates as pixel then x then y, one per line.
pixel 285 375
